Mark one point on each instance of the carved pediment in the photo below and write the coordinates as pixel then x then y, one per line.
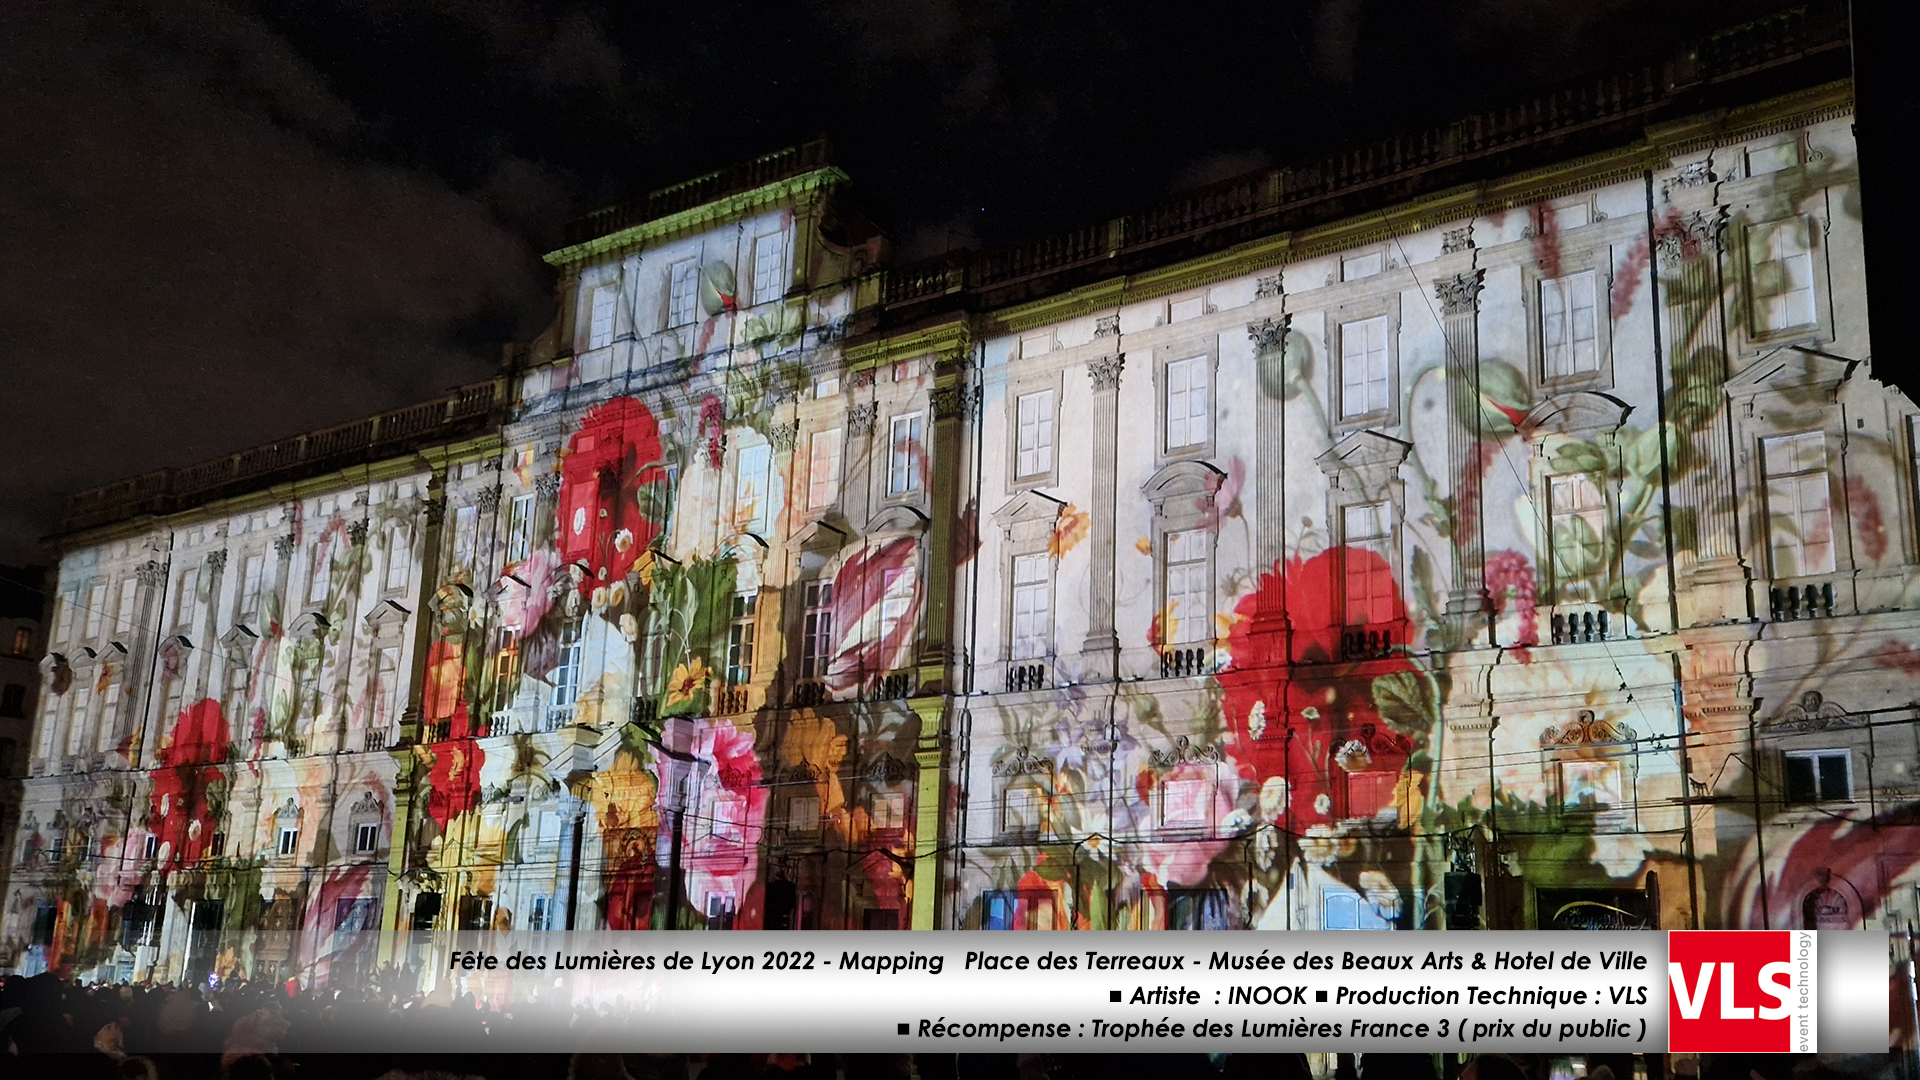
pixel 385 612
pixel 822 537
pixel 1364 450
pixel 896 519
pixel 1582 411
pixel 1028 506
pixel 1183 480
pixel 310 624
pixel 1791 368
pixel 746 545
pixel 366 804
pixel 1813 712
pixel 239 641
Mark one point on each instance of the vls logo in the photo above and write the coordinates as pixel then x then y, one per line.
pixel 1741 990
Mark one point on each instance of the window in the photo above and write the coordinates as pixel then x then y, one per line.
pixel 1355 267
pixel 386 683
pixel 566 676
pixel 600 317
pixel 1033 454
pixel 905 456
pixel 234 701
pixel 730 818
pixel 740 640
pixel 252 569
pixel 1347 910
pixel 1577 511
pixel 1363 368
pixel 22 641
pixel 1819 776
pixel 65 620
pixel 803 814
pixel 151 849
pixel 218 848
pixel 1187 409
pixel 1798 518
pixel 1568 336
pixel 1189 606
pixel 1197 909
pixel 520 529
pixel 888 812
pixel 896 601
pixel 540 913
pixel 1780 275
pixel 49 726
pixel 366 837
pixel 399 558
pixel 322 578
pixel 13 701
pixel 123 613
pixel 466 531
pixel 77 727
pixel 683 289
pixel 1184 802
pixel 816 630
pixel 750 488
pixel 96 610
pixel 769 267
pixel 1023 811
pixel 1032 607
pixel 506 669
pixel 1373 795
pixel 1367 564
pixel 1591 784
pixel 109 713
pixel 823 468
pixel 1030 910
pixel 289 839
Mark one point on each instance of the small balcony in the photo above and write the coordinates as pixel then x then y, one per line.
pixel 557 717
pixel 645 712
pixel 1579 625
pixel 893 686
pixel 729 700
pixel 374 741
pixel 810 694
pixel 1787 603
pixel 1185 661
pixel 1368 642
pixel 1025 675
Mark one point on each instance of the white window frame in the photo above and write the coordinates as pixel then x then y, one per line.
pixel 289 840
pixel 770 277
pixel 1186 575
pixel 603 309
pixel 887 811
pixel 520 528
pixel 1030 625
pixel 1798 267
pixel 1563 329
pixel 825 449
pixel 366 838
pixel 253 573
pixel 1594 511
pixel 1187 404
pixel 905 432
pixel 566 674
pixel 1816 756
pixel 1367 526
pixel 1359 389
pixel 816 628
pixel 803 815
pixel 1792 485
pixel 123 612
pixel 1191 794
pixel 1033 422
pixel 752 467
pixel 96 610
pixel 683 293
pixel 188 597
pixel 740 636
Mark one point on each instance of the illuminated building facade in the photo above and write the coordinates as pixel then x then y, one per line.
pixel 1498 525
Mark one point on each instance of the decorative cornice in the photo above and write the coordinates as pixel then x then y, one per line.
pixel 1459 294
pixel 1460 239
pixel 1105 372
pixel 1270 286
pixel 703 216
pixel 1107 325
pixel 1695 234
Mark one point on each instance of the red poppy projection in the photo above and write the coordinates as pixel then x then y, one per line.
pixel 611 463
pixel 190 785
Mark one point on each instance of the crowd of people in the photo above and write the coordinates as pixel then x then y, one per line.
pixel 51 1027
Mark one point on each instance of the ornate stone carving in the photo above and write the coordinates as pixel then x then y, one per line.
pixel 357 532
pixel 1106 325
pixel 1105 371
pixel 1022 763
pixel 1459 294
pixel 1695 175
pixel 216 561
pixel 1269 334
pixel 861 417
pixel 547 485
pixel 152 573
pixel 1268 287
pixel 488 500
pixel 1182 752
pixel 1690 236
pixel 1812 712
pixel 1460 239
pixel 783 436
pixel 862 379
pixel 1585 730
pixel 284 544
pixel 887 769
pixel 952 402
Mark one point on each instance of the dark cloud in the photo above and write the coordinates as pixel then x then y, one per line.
pixel 228 221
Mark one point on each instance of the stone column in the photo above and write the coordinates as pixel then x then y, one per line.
pixel 951 401
pixel 1269 337
pixel 1713 581
pixel 929 796
pixel 1467 607
pixel 1101 651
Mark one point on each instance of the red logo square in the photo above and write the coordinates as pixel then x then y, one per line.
pixel 1730 991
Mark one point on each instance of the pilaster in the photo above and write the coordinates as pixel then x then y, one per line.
pixel 1468 612
pixel 1101 651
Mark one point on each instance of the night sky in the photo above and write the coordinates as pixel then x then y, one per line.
pixel 225 223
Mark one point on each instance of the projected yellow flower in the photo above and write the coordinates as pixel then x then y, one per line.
pixel 687 680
